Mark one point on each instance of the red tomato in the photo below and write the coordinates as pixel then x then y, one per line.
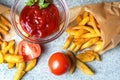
pixel 58 63
pixel 29 50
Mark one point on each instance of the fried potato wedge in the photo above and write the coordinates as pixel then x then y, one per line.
pixel 86 57
pixel 73 61
pixel 11 58
pixel 18 75
pixel 84 68
pixel 97 56
pixel 31 65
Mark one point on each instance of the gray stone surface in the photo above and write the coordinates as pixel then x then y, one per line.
pixel 107 69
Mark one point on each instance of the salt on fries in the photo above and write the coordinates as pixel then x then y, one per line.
pixel 9 55
pixel 86 28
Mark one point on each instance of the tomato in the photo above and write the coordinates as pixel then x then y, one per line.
pixel 29 50
pixel 58 63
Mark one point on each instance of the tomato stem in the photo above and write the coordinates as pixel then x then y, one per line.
pixel 42 3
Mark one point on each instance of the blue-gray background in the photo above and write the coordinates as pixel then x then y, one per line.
pixel 107 69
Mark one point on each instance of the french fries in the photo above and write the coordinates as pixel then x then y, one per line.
pixel 9 51
pixel 97 56
pixel 88 56
pixel 5 26
pixel 86 28
pixel 84 21
pixel 1 58
pixel 84 68
pixel 85 34
pixel 9 55
pixel 68 42
pixel 21 66
pixel 31 65
pixel 18 75
pixel 11 58
pixel 98 46
pixel 5 21
pixel 89 43
pixel 85 57
pixel 73 61
pixel 10 44
pixel 94 25
pixel 4 45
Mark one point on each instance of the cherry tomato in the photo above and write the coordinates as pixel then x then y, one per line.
pixel 29 50
pixel 58 63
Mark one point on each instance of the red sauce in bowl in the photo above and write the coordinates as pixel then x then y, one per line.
pixel 40 23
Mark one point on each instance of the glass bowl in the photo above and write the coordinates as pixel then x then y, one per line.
pixel 64 18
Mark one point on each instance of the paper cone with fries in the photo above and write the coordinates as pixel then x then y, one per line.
pixel 95 26
pixel 5 24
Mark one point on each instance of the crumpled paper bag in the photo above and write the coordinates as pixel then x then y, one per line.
pixel 107 15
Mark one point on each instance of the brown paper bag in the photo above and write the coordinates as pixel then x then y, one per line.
pixel 107 15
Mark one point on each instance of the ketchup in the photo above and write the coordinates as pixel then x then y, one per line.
pixel 39 22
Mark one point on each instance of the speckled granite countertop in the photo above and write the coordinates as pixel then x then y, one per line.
pixel 107 69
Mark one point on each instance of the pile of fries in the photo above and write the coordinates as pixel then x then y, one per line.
pixel 9 52
pixel 9 55
pixel 85 34
pixel 79 61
